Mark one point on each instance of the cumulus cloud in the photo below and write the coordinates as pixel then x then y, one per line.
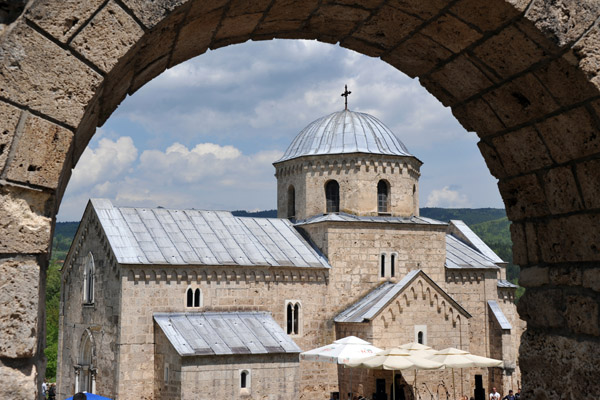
pixel 108 160
pixel 447 197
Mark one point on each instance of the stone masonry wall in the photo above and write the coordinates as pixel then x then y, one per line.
pixel 163 289
pixel 358 175
pixel 101 318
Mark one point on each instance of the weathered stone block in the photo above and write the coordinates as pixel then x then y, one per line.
pixel 286 15
pixel 25 226
pixel 581 314
pixel 387 27
pixel 106 39
pixel 522 151
pixel 450 32
pixel 30 63
pixel 509 52
pixel 523 197
pixel 425 9
pixel 520 100
pixel 569 84
pixel 561 190
pixel 9 118
pixel 362 47
pixel 19 296
pixel 336 21
pixel 591 279
pixel 570 135
pixel 588 176
pixel 534 277
pixel 40 153
pixel 235 29
pixel 477 116
pixel 558 367
pixel 417 55
pixel 570 239
pixel 19 383
pixel 488 15
pixel 492 160
pixel 564 20
pixel 519 247
pixel 62 20
pixel 152 12
pixel 461 78
pixel 542 308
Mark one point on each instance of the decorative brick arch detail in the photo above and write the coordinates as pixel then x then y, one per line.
pixel 521 73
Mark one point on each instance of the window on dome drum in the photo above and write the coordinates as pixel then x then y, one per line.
pixel 383 265
pixel 193 298
pixel 291 206
pixel 332 195
pixel 293 318
pixel 88 279
pixel 383 190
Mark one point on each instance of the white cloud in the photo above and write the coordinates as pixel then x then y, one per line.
pixel 108 160
pixel 446 197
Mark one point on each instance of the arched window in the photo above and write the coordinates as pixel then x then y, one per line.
pixel 244 375
pixel 383 191
pixel 420 337
pixel 190 298
pixel 291 205
pixel 392 265
pixel 382 266
pixel 193 298
pixel 332 196
pixel 88 279
pixel 197 298
pixel 85 379
pixel 293 317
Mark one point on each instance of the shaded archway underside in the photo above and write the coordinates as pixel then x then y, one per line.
pixel 522 74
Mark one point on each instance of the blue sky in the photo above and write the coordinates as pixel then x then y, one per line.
pixel 204 134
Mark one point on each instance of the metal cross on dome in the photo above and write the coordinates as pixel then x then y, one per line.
pixel 345 94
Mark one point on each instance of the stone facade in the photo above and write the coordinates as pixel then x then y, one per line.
pixel 518 72
pixel 357 174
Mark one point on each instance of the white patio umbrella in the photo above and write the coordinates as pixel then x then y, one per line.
pixel 456 358
pixel 420 350
pixel 396 359
pixel 341 351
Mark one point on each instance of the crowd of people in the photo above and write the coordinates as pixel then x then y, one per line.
pixel 494 395
pixel 49 390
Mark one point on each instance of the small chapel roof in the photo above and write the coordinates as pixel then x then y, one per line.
pixel 461 255
pixel 376 300
pixel 224 333
pixel 345 132
pixel 158 236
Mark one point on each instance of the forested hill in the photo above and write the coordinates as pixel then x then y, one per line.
pixel 470 216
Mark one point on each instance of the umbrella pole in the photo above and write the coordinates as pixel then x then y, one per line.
pixel 415 386
pixel 462 391
pixel 393 384
pixel 351 391
pixel 453 385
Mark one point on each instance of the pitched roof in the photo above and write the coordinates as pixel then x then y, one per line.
pixel 464 233
pixel 503 283
pixel 461 255
pixel 193 237
pixel 375 301
pixel 223 333
pixel 345 217
pixel 499 315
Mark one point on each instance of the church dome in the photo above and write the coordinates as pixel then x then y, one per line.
pixel 345 132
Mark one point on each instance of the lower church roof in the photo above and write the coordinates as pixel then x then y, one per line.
pixel 224 333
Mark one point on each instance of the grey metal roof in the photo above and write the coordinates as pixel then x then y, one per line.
pixel 503 283
pixel 222 333
pixel 466 234
pixel 344 217
pixel 369 306
pixel 504 324
pixel 345 132
pixel 193 237
pixel 460 255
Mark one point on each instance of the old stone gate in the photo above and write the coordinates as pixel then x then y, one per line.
pixel 523 74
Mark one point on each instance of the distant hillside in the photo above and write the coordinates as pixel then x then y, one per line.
pixel 470 216
pixel 255 214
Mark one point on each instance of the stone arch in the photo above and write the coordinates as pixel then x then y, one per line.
pixel 520 73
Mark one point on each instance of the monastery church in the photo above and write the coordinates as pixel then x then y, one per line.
pixel 159 303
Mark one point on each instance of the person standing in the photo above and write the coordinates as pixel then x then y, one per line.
pixel 509 396
pixel 44 388
pixel 494 395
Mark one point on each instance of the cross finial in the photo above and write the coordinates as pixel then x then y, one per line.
pixel 345 94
